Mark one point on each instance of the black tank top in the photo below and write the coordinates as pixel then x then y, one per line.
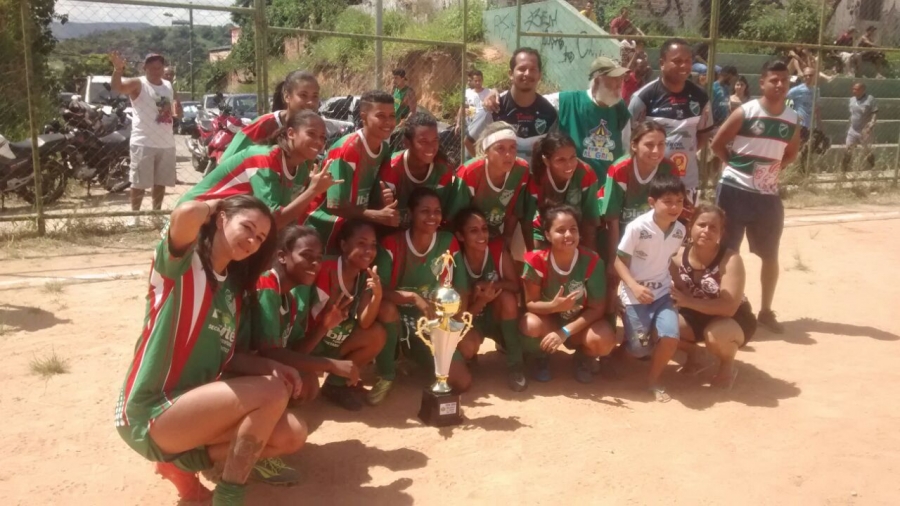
pixel 702 284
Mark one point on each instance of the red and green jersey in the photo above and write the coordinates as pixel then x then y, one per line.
pixel 276 320
pixel 350 160
pixel 258 132
pixel 439 178
pixel 465 276
pixel 408 270
pixel 260 171
pixel 625 192
pixel 579 192
pixel 497 203
pixel 329 284
pixel 586 275
pixel 188 335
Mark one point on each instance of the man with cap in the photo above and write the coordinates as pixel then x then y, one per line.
pixel 152 137
pixel 597 119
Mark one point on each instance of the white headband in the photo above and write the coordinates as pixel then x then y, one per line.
pixel 501 135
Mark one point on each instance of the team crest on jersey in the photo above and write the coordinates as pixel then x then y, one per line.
pixel 574 197
pixel 695 107
pixel 783 131
pixel 574 286
pixel 757 128
pixel 646 235
pixel 540 125
pixel 495 217
pixel 599 144
pixel 506 196
pixel 492 276
pixel 678 234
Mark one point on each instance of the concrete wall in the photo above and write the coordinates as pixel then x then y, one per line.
pixel 566 60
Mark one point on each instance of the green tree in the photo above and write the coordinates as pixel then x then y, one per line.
pixel 795 21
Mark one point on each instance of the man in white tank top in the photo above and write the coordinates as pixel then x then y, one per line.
pixel 152 137
pixel 756 142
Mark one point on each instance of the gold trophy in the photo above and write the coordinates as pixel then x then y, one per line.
pixel 440 407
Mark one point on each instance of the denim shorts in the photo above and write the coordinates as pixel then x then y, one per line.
pixel 642 319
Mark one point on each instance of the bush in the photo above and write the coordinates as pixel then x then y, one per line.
pixel 797 21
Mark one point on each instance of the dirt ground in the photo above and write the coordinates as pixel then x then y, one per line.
pixel 812 418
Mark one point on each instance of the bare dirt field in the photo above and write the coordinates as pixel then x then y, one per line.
pixel 812 419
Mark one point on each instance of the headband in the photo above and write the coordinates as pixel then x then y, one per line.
pixel 502 135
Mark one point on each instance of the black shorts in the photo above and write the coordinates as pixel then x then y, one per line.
pixel 761 216
pixel 698 321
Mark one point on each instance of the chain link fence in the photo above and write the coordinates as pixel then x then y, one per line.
pixel 229 55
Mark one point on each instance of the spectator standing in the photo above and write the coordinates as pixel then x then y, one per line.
pixel 169 75
pixel 721 88
pixel 405 99
pixel 589 12
pixel 846 60
pixel 800 99
pixel 152 136
pixel 757 141
pixel 741 93
pixel 637 77
pixel 474 113
pixel 621 25
pixel 863 113
pixel 681 107
pixel 877 58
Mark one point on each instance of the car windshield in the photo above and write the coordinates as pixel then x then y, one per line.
pixel 211 102
pixel 245 104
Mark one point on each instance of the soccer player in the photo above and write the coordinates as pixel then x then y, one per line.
pixel 421 164
pixel 756 141
pixel 351 282
pixel 274 174
pixel 559 177
pixel 681 107
pixel 644 264
pixel 410 266
pixel 298 92
pixel 565 298
pixel 174 408
pixel 355 160
pixel 487 269
pixel 497 181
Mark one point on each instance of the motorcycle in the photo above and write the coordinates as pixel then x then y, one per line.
pixel 98 150
pixel 17 169
pixel 208 144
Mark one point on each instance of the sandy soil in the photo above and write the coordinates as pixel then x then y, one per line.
pixel 812 418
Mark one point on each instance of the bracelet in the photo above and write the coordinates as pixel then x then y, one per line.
pixel 566 332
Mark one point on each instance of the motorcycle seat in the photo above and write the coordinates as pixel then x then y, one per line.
pixel 46 142
pixel 114 138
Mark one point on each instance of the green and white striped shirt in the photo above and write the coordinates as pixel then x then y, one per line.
pixel 758 149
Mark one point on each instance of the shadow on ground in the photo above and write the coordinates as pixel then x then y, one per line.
pixel 338 473
pixel 800 331
pixel 27 318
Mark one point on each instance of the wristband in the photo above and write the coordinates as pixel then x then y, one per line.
pixel 566 332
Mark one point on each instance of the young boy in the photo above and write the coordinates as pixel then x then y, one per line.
pixel 473 112
pixel 644 263
pixel 356 159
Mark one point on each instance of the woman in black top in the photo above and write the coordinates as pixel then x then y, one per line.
pixel 712 309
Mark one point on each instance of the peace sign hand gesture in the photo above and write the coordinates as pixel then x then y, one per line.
pixel 374 282
pixel 337 311
pixel 320 179
pixel 562 303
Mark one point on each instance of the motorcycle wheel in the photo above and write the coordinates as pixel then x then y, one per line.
pixel 53 179
pixel 117 177
pixel 197 164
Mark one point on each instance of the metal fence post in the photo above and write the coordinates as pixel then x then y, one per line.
pixel 518 24
pixel 710 80
pixel 32 114
pixel 807 174
pixel 261 51
pixel 379 46
pixel 463 121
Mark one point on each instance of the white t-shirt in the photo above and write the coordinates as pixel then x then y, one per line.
pixel 476 117
pixel 151 125
pixel 651 250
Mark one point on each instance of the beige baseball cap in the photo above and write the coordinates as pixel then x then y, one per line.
pixel 607 67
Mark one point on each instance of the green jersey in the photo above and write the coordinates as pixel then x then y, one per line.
pixel 586 275
pixel 439 178
pixel 758 149
pixel 497 203
pixel 596 130
pixel 260 171
pixel 258 132
pixel 187 339
pixel 350 160
pixel 401 110
pixel 408 270
pixel 625 193
pixel 276 320
pixel 330 283
pixel 579 192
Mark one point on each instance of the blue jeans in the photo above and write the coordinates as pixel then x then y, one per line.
pixel 642 319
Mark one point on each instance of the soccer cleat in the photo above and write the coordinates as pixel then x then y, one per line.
pixel 542 369
pixel 583 368
pixel 273 471
pixel 187 483
pixel 516 380
pixel 380 391
pixel 768 320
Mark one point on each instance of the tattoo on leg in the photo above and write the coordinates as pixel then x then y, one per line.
pixel 242 456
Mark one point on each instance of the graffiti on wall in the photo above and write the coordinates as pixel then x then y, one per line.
pixel 565 49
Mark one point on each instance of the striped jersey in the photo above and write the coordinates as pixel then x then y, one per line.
pixel 257 132
pixel 497 203
pixel 625 193
pixel 439 178
pixel 277 320
pixel 579 192
pixel 465 276
pixel 586 275
pixel 411 270
pixel 758 149
pixel 350 160
pixel 330 283
pixel 187 339
pixel 260 171
pixel 684 115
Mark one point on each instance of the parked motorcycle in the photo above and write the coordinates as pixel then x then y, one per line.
pixel 211 139
pixel 17 169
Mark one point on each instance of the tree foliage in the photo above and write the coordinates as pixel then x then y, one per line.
pixel 795 21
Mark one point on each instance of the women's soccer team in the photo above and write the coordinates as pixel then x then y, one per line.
pixel 275 270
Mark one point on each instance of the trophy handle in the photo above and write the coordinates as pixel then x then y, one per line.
pixel 421 327
pixel 466 318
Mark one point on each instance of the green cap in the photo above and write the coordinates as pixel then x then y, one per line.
pixel 607 67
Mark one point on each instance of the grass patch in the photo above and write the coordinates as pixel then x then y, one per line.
pixel 846 193
pixel 53 287
pixel 49 366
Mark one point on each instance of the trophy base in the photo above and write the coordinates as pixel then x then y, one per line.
pixel 440 410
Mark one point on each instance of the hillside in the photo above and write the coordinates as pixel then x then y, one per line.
pixel 75 30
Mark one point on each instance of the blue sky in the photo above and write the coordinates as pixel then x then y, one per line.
pixel 89 12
